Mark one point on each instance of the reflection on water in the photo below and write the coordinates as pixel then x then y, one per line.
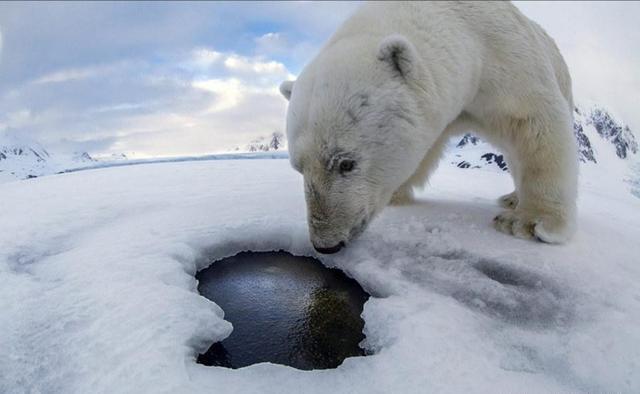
pixel 284 309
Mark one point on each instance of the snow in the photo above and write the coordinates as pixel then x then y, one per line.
pixel 98 291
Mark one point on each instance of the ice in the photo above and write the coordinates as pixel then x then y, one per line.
pixel 98 291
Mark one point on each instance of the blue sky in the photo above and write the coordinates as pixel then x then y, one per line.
pixel 164 79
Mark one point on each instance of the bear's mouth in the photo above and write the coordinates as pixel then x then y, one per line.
pixel 346 236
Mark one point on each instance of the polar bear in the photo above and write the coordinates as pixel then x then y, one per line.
pixel 369 116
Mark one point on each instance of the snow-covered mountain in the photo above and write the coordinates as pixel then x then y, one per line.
pixel 602 140
pixel 276 141
pixel 23 158
pixel 472 152
pixel 618 134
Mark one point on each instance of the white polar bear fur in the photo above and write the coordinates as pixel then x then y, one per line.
pixel 398 80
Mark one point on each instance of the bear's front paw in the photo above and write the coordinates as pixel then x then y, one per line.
pixel 529 225
pixel 509 201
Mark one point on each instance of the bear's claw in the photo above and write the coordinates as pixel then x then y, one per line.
pixel 526 225
pixel 513 224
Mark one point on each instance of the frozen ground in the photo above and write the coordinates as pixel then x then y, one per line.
pixel 98 292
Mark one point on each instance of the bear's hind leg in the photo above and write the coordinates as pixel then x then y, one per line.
pixel 545 152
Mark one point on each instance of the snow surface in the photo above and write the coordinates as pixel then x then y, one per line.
pixel 98 291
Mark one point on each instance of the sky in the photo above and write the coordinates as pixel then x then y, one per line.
pixel 170 79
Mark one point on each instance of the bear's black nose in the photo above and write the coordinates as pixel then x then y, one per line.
pixel 330 250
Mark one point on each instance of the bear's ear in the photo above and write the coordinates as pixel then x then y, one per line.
pixel 400 55
pixel 285 88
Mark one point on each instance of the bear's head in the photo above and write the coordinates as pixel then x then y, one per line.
pixel 356 133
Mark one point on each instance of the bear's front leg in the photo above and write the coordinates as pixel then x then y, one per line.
pixel 509 200
pixel 546 200
pixel 402 196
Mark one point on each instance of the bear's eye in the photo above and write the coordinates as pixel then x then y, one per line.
pixel 347 166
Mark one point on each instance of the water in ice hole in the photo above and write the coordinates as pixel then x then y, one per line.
pixel 284 309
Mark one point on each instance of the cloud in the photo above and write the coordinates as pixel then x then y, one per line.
pixel 244 64
pixel 272 43
pixel 154 78
pixel 197 101
pixel 203 58
pixel 228 92
pixel 123 107
pixel 70 75
pixel 19 118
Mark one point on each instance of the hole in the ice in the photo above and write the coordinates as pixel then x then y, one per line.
pixel 285 310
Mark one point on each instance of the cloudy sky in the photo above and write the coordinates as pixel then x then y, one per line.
pixel 166 79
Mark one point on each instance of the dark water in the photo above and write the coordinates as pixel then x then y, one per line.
pixel 285 310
